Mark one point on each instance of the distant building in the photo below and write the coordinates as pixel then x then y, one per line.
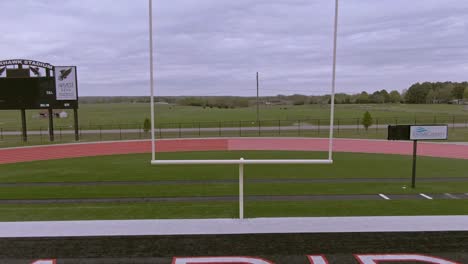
pixel 456 101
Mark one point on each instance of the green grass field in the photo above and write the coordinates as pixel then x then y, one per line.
pixel 134 114
pixel 111 211
pixel 124 168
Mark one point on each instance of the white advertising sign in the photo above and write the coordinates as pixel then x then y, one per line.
pixel 65 83
pixel 428 132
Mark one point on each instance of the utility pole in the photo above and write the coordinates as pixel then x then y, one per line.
pixel 258 105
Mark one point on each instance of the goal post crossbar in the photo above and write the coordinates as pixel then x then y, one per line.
pixel 241 161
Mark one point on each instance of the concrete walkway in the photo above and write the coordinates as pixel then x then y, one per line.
pixel 234 226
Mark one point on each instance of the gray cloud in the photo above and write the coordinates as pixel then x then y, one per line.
pixel 214 47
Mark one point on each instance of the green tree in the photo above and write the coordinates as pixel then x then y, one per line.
pixel 362 98
pixel 367 120
pixel 417 93
pixel 146 125
pixel 465 95
pixel 377 98
pixel 446 93
pixel 385 95
pixel 458 91
pixel 395 96
pixel 431 97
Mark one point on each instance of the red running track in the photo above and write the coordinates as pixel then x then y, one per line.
pixel 36 153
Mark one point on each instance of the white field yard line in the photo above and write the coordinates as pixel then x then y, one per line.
pixel 451 196
pixel 384 196
pixel 426 196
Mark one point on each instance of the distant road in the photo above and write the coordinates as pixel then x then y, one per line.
pixel 211 129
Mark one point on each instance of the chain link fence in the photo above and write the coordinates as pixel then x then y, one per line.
pixel 343 127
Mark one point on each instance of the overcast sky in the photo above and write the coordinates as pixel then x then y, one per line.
pixel 215 47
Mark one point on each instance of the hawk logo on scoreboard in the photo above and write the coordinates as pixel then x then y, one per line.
pixel 35 70
pixel 64 74
pixel 2 70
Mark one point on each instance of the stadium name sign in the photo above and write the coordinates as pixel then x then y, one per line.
pixel 27 62
pixel 313 259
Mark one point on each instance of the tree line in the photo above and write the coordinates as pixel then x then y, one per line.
pixel 437 92
pixel 418 93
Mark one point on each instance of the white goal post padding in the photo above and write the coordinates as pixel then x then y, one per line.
pixel 242 161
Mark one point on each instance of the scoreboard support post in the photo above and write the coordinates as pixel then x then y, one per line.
pixel 51 125
pixel 23 125
pixel 415 155
pixel 75 119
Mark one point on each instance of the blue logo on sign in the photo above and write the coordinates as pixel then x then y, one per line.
pixel 421 130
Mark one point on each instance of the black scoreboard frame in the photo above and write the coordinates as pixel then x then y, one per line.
pixel 44 97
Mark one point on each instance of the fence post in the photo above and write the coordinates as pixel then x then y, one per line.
pixel 219 126
pixel 199 130
pixel 139 131
pixel 40 133
pixel 453 122
pixel 259 128
pixel 299 127
pixel 180 130
pixel 338 126
pixel 435 119
pixel 376 125
pixel 120 132
pixel 357 124
pixel 415 121
pixel 318 127
pixel 396 120
pixel 1 134
pixel 60 131
pixel 240 128
pixel 279 127
pixel 100 133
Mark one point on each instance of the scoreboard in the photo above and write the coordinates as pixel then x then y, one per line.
pixel 31 93
pixel 19 89
pixel 29 84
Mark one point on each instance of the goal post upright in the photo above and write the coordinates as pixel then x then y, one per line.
pixel 153 139
pixel 332 98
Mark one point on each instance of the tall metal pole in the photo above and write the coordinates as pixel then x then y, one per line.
pixel 153 142
pixel 258 107
pixel 332 105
